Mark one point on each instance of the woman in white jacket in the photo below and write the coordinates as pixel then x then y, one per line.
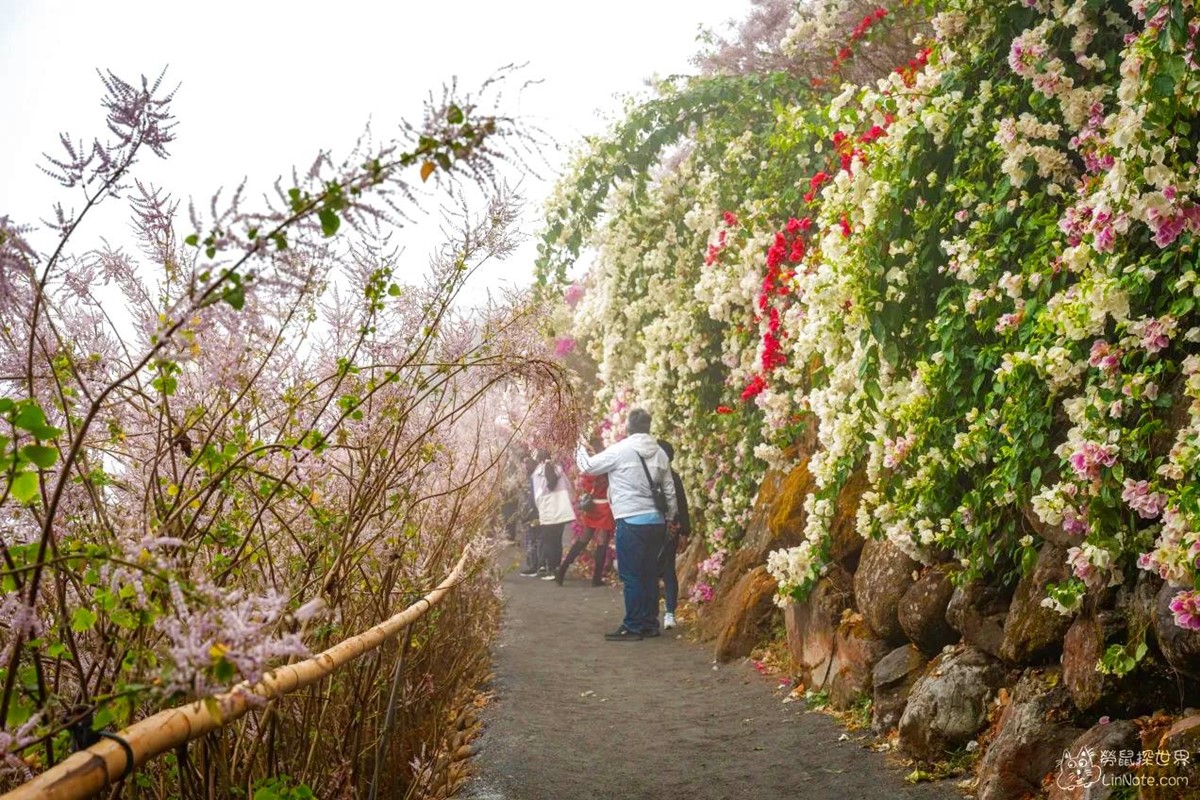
pixel 552 496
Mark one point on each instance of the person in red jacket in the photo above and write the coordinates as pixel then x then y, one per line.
pixel 596 520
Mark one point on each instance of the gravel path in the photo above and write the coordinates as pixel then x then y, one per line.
pixel 579 717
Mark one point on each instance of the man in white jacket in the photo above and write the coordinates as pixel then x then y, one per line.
pixel 637 470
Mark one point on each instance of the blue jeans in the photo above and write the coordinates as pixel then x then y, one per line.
pixel 638 548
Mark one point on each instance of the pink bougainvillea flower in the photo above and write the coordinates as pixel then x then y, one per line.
pixel 564 346
pixel 1089 457
pixel 1186 608
pixel 573 294
pixel 1147 504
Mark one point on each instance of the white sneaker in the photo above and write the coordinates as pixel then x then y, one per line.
pixel 668 621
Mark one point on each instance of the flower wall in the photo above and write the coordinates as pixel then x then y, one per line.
pixel 970 278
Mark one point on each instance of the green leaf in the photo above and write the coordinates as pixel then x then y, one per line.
pixel 30 417
pixel 24 487
pixel 873 391
pixel 1163 84
pixel 1029 557
pixel 223 671
pixel 82 619
pixel 330 221
pixel 44 457
pixel 454 115
pixel 236 296
pixel 192 240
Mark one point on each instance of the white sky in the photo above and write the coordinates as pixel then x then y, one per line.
pixel 265 85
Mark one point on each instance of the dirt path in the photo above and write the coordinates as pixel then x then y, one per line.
pixel 579 717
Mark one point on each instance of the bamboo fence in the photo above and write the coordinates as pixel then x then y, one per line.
pixel 88 771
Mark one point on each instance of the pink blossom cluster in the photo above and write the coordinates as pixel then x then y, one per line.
pixel 1104 226
pixel 1186 608
pixel 564 346
pixel 1168 224
pixel 1154 333
pixel 713 565
pixel 1176 555
pixel 1104 356
pixel 1008 322
pixel 701 593
pixel 1147 504
pixel 896 450
pixel 1093 565
pixel 1090 457
pixel 239 629
pixel 573 294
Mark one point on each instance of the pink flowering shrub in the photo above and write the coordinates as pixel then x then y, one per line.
pixel 240 445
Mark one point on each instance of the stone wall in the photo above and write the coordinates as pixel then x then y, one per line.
pixel 948 663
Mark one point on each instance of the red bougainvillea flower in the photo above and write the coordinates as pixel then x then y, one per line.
pixel 845 225
pixel 815 181
pixel 876 132
pixel 724 410
pixel 772 355
pixel 730 219
pixel 754 388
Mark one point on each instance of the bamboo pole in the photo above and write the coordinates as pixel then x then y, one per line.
pixel 90 770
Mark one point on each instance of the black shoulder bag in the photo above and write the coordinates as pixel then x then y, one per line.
pixel 656 491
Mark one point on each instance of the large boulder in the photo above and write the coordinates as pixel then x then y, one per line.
pixel 746 615
pixel 885 573
pixel 845 545
pixel 1032 732
pixel 1179 646
pixel 977 611
pixel 948 705
pixel 1148 688
pixel 784 508
pixel 892 681
pixel 922 610
pixel 812 625
pixel 1173 779
pixel 1034 633
pixel 1079 773
pixel 1083 646
pixel 856 651
pixel 776 521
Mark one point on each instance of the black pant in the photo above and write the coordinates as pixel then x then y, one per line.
pixel 666 571
pixel 599 555
pixel 551 550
